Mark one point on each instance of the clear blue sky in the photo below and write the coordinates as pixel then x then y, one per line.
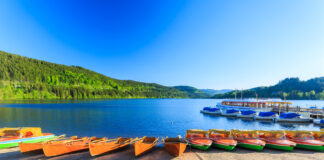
pixel 201 43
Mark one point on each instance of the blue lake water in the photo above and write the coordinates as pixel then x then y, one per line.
pixel 131 117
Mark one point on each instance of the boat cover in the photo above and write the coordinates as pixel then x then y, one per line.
pixel 248 112
pixel 266 114
pixel 289 115
pixel 214 109
pixel 232 111
pixel 322 121
pixel 206 108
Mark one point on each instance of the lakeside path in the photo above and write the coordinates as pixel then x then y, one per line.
pixel 159 153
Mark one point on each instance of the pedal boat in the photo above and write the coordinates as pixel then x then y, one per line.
pixel 291 117
pixel 175 146
pixel 266 116
pixel 104 145
pixel 144 144
pixel 222 139
pixel 65 146
pixel 211 111
pixel 250 114
pixel 318 135
pixel 248 139
pixel 198 139
pixel 37 146
pixel 276 140
pixel 305 140
pixel 230 113
pixel 11 137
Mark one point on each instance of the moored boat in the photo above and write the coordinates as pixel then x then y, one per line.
pixel 291 117
pixel 144 144
pixel 230 113
pixel 267 116
pixel 65 146
pixel 198 139
pixel 11 137
pixel 222 139
pixel 211 111
pixel 319 122
pixel 35 146
pixel 305 140
pixel 276 140
pixel 107 145
pixel 175 146
pixel 247 114
pixel 248 139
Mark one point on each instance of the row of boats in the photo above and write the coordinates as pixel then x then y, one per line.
pixel 248 113
pixel 32 139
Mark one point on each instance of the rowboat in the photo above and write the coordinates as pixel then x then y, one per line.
pixel 11 137
pixel 211 111
pixel 198 138
pixel 277 140
pixel 318 135
pixel 230 113
pixel 292 117
pixel 175 146
pixel 37 146
pixel 266 116
pixel 247 114
pixel 248 139
pixel 222 139
pixel 107 145
pixel 64 146
pixel 144 144
pixel 305 140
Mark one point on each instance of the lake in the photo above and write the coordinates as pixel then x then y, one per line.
pixel 131 117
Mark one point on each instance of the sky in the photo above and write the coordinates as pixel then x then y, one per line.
pixel 215 44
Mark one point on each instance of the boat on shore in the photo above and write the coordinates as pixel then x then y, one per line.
pixel 222 139
pixel 230 113
pixel 291 117
pixel 305 140
pixel 11 137
pixel 250 114
pixel 266 116
pixel 144 144
pixel 248 139
pixel 35 146
pixel 105 145
pixel 68 145
pixel 198 139
pixel 276 140
pixel 175 146
pixel 211 111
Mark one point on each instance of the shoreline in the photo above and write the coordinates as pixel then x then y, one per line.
pixel 159 153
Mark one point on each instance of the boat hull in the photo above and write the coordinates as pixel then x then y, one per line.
pixel 225 147
pixel 211 113
pixel 310 147
pixel 230 114
pixel 201 147
pixel 265 118
pixel 279 147
pixel 15 142
pixel 250 146
pixel 51 150
pixel 246 116
pixel 297 120
pixel 175 149
pixel 102 148
pixel 141 148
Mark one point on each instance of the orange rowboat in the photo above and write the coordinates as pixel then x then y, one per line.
pixel 106 145
pixel 38 146
pixel 144 144
pixel 175 146
pixel 60 147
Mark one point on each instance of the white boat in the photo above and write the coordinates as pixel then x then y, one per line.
pixel 247 114
pixel 266 116
pixel 230 113
pixel 292 117
pixel 211 111
pixel 319 122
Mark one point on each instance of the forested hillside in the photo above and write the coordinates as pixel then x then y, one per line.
pixel 193 92
pixel 27 78
pixel 291 88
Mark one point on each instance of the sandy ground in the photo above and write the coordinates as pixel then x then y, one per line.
pixel 159 153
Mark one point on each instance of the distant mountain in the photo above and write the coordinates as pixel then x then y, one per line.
pixel 212 92
pixel 27 78
pixel 291 88
pixel 193 92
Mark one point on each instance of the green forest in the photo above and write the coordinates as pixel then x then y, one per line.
pixel 289 88
pixel 27 78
